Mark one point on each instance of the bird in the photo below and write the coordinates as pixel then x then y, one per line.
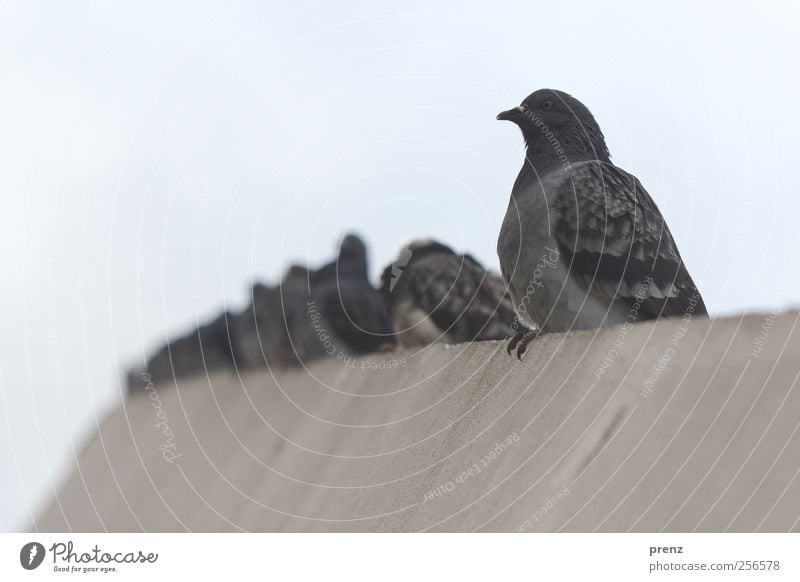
pixel 582 244
pixel 206 348
pixel 255 337
pixel 293 296
pixel 261 330
pixel 258 327
pixel 344 314
pixel 435 295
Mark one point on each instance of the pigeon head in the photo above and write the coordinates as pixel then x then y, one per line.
pixel 413 251
pixel 297 273
pixel 556 126
pixel 427 246
pixel 353 255
pixel 259 291
pixel 353 247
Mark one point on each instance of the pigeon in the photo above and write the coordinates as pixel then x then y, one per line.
pixel 255 338
pixel 258 328
pixel 344 314
pixel 293 296
pixel 435 295
pixel 583 245
pixel 205 349
pixel 262 329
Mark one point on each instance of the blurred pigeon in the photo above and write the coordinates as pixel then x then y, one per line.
pixel 583 245
pixel 434 294
pixel 294 293
pixel 262 331
pixel 207 348
pixel 258 328
pixel 344 313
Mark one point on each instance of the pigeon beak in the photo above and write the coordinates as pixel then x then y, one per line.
pixel 513 114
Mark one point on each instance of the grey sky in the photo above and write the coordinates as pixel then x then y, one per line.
pixel 156 157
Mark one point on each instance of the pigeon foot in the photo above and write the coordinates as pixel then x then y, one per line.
pixel 520 341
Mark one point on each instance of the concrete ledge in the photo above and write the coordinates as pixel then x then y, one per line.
pixel 658 426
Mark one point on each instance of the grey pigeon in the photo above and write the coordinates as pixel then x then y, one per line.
pixel 293 295
pixel 344 314
pixel 583 245
pixel 256 337
pixel 436 295
pixel 258 328
pixel 262 329
pixel 205 349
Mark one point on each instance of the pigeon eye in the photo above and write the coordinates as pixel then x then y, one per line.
pixel 547 105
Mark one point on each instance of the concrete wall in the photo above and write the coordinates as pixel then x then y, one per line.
pixel 663 426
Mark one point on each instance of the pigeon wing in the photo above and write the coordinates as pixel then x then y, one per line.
pixel 461 297
pixel 617 243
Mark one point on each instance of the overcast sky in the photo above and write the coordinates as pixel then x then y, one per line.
pixel 156 157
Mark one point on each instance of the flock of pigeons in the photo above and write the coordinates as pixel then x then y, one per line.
pixel 428 294
pixel 582 246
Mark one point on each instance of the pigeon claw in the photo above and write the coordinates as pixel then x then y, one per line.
pixel 520 340
pixel 514 341
pixel 529 336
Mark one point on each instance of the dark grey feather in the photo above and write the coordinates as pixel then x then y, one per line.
pixel 617 242
pixel 464 300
